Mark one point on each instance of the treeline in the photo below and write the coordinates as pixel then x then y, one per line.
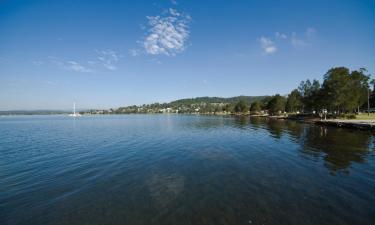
pixel 202 105
pixel 208 100
pixel 342 91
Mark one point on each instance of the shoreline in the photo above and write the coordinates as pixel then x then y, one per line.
pixel 340 123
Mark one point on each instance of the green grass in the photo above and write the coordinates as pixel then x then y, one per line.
pixel 365 116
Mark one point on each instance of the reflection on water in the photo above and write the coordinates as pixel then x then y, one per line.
pixel 175 169
pixel 338 147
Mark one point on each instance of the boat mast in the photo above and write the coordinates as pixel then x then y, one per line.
pixel 74 108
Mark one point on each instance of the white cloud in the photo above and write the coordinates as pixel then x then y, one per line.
pixel 75 66
pixel 174 12
pixel 297 42
pixel 303 40
pixel 300 40
pixel 155 60
pixel 167 35
pixel 267 45
pixel 104 58
pixel 70 65
pixel 281 35
pixel 108 58
pixel 134 52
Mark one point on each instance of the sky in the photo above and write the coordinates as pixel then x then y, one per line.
pixel 106 54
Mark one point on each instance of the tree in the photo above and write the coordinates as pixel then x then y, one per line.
pixel 372 96
pixel 336 88
pixel 277 104
pixel 241 107
pixel 255 107
pixel 345 91
pixel 359 86
pixel 264 102
pixel 310 95
pixel 294 101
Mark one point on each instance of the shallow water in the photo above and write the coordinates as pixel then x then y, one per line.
pixel 176 169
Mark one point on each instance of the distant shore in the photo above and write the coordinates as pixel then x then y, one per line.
pixel 343 123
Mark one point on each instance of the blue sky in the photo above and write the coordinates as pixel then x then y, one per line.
pixel 105 54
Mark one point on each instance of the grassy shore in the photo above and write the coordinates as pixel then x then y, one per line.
pixel 361 121
pixel 365 116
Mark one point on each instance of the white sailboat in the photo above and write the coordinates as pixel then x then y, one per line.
pixel 74 114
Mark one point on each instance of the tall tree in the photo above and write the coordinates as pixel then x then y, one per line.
pixel 255 107
pixel 241 107
pixel 336 86
pixel 310 95
pixel 294 101
pixel 345 91
pixel 359 89
pixel 277 104
pixel 372 96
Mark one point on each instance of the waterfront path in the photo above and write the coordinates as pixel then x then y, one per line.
pixel 359 124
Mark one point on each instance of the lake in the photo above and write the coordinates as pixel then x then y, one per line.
pixel 183 169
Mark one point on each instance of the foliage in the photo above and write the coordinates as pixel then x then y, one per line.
pixel 231 100
pixel 241 107
pixel 294 101
pixel 255 107
pixel 310 95
pixel 342 91
pixel 277 104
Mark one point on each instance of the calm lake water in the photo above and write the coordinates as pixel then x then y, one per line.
pixel 176 169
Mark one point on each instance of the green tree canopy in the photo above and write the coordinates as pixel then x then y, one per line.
pixel 241 107
pixel 344 91
pixel 294 101
pixel 310 95
pixel 277 104
pixel 359 85
pixel 255 107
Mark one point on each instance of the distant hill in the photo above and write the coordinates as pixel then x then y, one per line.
pixel 188 101
pixel 183 105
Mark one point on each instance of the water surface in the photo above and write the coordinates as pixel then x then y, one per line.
pixel 176 169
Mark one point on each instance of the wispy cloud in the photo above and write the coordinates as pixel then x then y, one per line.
pixel 75 66
pixel 69 65
pixel 155 60
pixel 267 45
pixel 167 34
pixel 134 52
pixel 281 35
pixel 108 58
pixel 296 41
pixel 299 41
pixel 105 59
